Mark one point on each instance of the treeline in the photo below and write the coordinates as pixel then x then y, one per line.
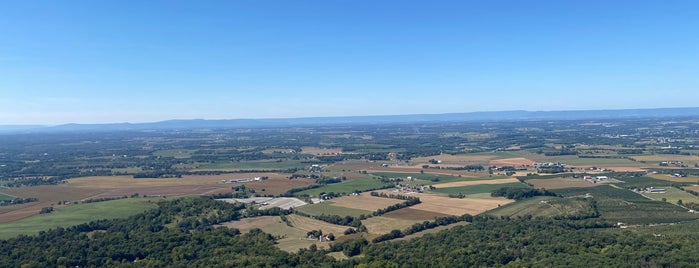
pixel 17 201
pixel 355 222
pixel 520 193
pixel 409 202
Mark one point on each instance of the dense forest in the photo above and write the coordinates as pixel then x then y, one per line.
pixel 182 233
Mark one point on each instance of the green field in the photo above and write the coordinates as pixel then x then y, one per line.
pixel 575 160
pixel 673 194
pixel 621 205
pixel 176 153
pixel 348 186
pixel 77 214
pixel 4 196
pixel 326 208
pixel 252 165
pixel 475 189
pixel 427 178
pixel 545 206
pixel 644 182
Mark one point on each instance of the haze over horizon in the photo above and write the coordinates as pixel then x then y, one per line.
pixel 134 61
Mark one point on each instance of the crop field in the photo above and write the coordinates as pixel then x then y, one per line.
pixel 668 177
pixel 348 186
pixel 428 178
pixel 465 159
pixel 48 195
pixel 248 165
pixel 176 153
pixel 515 162
pixel 308 224
pixel 414 214
pixel 4 196
pixel 247 224
pixel 480 188
pixel 643 182
pixel 375 167
pixel 558 183
pixel 365 201
pixel 545 206
pixel 327 208
pixel 384 225
pixel 534 206
pixel 621 205
pixel 599 162
pixel 457 206
pixel 321 151
pixel 693 188
pixel 76 214
pixel 478 182
pixel 673 194
pixel 687 159
pixel 117 186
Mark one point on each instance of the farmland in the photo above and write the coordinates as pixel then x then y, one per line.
pixel 478 188
pixel 327 208
pixel 76 214
pixel 451 168
pixel 346 187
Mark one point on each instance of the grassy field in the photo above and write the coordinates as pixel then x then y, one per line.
pixel 384 225
pixel 4 196
pixel 544 206
pixel 348 186
pixel 252 165
pixel 673 194
pixel 475 189
pixel 429 177
pixel 73 215
pixel 574 160
pixel 176 153
pixel 328 208
pixel 643 182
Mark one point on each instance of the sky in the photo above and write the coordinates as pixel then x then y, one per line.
pixel 143 61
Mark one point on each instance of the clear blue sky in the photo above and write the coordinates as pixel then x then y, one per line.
pixel 139 61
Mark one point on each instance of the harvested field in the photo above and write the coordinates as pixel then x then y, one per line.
pixel 80 189
pixel 247 224
pixel 559 183
pixel 383 225
pixel 515 162
pixel 468 183
pixel 365 201
pixel 458 206
pixel 308 224
pixel 321 151
pixel 693 188
pixel 414 214
pixel 48 195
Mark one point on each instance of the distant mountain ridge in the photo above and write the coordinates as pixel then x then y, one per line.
pixel 377 119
